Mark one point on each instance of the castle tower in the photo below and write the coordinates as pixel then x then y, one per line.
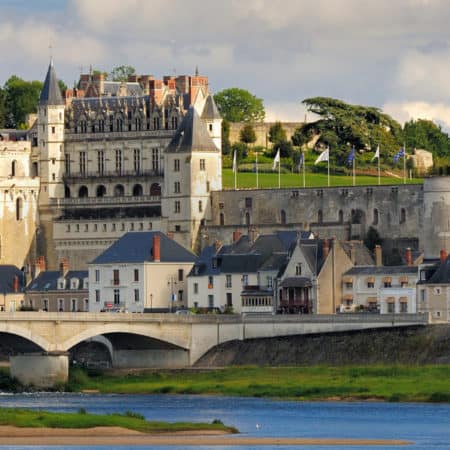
pixel 213 121
pixel 192 170
pixel 51 139
pixel 51 161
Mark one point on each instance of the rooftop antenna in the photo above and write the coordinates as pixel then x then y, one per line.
pixel 50 51
pixel 196 71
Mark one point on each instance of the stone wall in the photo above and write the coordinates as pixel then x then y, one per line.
pixel 261 131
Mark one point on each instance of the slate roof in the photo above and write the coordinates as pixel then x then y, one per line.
pixel 442 274
pixel 312 250
pixel 7 274
pixel 111 88
pixel 296 282
pixel 362 254
pixel 48 280
pixel 137 247
pixel 191 135
pixel 382 270
pixel 210 111
pixel 51 94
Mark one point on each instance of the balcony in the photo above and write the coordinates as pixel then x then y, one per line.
pixel 107 174
pixel 111 135
pixel 100 201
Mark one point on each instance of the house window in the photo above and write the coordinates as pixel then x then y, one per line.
pixel 349 285
pixel 176 165
pixel 200 206
pixel 437 291
pixel 97 296
pixel 370 284
pixel 116 279
pixel 228 282
pixel 269 281
pixel 177 206
pixel 403 307
pixel 74 305
pixel 176 187
pixel 244 280
pixel 136 295
pixel 195 288
pixel 180 296
pixel 298 269
pixel 45 307
pixel 387 284
pixel 202 164
pixel 136 274
pixel 60 304
pixel 211 301
pixel 229 299
pixel 210 282
pixel 422 295
pixel 116 296
pixel 391 308
pixel 180 274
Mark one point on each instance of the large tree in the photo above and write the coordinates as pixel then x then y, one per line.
pixel 3 110
pixel 239 105
pixel 21 99
pixel 427 135
pixel 247 134
pixel 121 73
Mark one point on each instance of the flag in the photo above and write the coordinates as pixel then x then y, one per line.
pixel 351 156
pixel 399 154
pixel 324 156
pixel 276 160
pixel 377 154
pixel 234 163
pixel 300 161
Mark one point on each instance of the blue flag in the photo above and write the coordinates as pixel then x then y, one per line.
pixel 300 161
pixel 399 154
pixel 351 156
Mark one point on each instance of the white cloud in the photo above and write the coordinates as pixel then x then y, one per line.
pixel 437 112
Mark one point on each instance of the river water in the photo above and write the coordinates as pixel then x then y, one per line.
pixel 427 425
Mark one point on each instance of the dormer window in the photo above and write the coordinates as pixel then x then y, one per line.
pixel 196 270
pixel 74 283
pixel 61 283
pixel 86 283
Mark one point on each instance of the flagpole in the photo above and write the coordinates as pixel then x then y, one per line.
pixel 257 180
pixel 379 171
pixel 304 170
pixel 279 173
pixel 404 163
pixel 328 166
pixel 354 176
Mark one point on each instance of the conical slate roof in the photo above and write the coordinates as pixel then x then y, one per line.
pixel 442 274
pixel 210 110
pixel 191 135
pixel 51 94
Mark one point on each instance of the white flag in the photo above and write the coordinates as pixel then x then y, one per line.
pixel 276 160
pixel 234 163
pixel 324 156
pixel 377 154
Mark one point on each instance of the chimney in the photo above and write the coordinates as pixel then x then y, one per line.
pixel 378 256
pixel 325 248
pixel 16 284
pixel 443 255
pixel 236 235
pixel 156 247
pixel 63 267
pixel 39 266
pixel 408 257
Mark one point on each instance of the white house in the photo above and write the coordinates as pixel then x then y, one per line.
pixel 141 271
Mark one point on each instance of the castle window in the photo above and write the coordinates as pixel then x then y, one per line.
pixel 248 202
pixel 283 217
pixel 176 165
pixel 53 177
pixel 83 192
pixel 136 295
pixel 13 168
pixel 100 162
pixel 137 190
pixel 36 169
pixel 82 163
pixel 101 126
pixel 202 164
pixel 210 126
pixel 320 216
pixel 53 161
pixel 177 206
pixel 53 130
pixel 137 160
pixel 119 125
pixel 119 161
pixel 155 159
pixel 66 191
pixel 402 215
pixel 208 186
pixel 19 209
pixel 222 219
pixel 97 295
pixel 155 189
pixel 200 206
pixel 156 123
pixel 176 187
pixel 375 217
pixel 341 216
pixel 247 218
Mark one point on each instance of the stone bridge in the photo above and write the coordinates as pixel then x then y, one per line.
pixel 157 340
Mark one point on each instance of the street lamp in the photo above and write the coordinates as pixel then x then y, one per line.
pixel 151 302
pixel 172 282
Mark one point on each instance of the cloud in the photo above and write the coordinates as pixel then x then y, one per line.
pixel 403 112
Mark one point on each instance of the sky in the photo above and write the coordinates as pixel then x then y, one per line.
pixel 393 54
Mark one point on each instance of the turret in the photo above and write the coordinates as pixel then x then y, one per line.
pixel 51 138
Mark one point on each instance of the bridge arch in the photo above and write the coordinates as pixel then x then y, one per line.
pixel 26 334
pixel 110 328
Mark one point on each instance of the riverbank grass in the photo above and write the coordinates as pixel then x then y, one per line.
pixel 388 383
pixel 82 419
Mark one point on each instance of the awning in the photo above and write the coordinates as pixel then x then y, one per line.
pixel 390 300
pixel 296 282
pixel 404 279
pixel 387 279
pixel 403 299
pixel 372 300
pixel 347 279
pixel 370 280
pixel 348 297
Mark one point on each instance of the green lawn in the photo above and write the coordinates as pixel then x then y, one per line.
pixel 270 180
pixel 38 419
pixel 394 383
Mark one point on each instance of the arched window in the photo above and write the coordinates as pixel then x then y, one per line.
pixel 341 216
pixel 83 192
pixel 247 218
pixel 19 209
pixel 155 189
pixel 119 191
pixel 320 216
pixel 66 191
pixel 101 191
pixel 137 190
pixel 403 215
pixel 375 217
pixel 13 168
pixel 222 219
pixel 35 169
pixel 283 217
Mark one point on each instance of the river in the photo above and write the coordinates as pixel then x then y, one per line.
pixel 427 425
